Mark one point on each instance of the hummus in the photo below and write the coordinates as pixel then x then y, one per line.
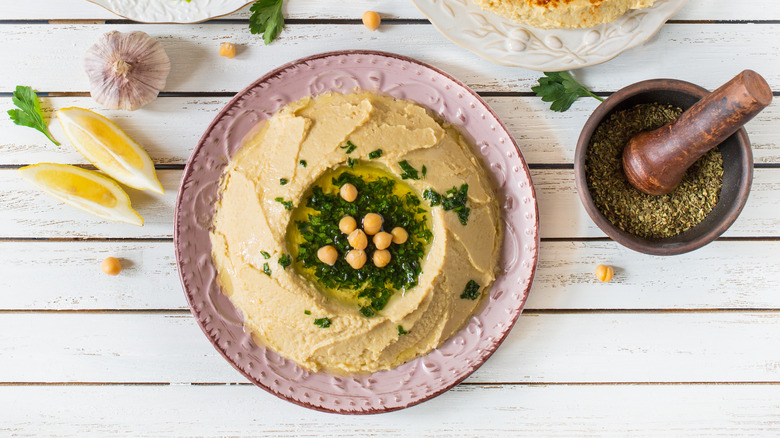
pixel 557 14
pixel 256 224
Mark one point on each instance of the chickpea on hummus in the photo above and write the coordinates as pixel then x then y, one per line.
pixel 355 232
pixel 562 14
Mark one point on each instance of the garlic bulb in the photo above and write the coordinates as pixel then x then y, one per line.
pixel 126 70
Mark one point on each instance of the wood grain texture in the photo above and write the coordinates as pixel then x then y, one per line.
pixel 542 348
pixel 197 66
pixel 564 278
pixel 353 9
pixel 465 411
pixel 29 213
pixel 544 136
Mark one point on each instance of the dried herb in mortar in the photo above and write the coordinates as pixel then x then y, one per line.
pixel 644 215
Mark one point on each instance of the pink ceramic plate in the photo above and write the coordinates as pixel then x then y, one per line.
pixel 419 379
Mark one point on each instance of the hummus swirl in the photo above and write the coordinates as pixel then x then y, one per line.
pixel 557 14
pixel 249 233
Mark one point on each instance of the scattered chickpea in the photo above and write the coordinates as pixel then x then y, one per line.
pixel 382 240
pixel 372 223
pixel 228 50
pixel 328 255
pixel 381 258
pixel 357 239
pixel 371 20
pixel 399 235
pixel 111 266
pixel 604 273
pixel 348 192
pixel 356 258
pixel 347 224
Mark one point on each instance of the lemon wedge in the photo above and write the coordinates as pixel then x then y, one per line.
pixel 108 147
pixel 83 189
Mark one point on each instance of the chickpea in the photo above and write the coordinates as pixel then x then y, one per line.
pixel 381 258
pixel 348 192
pixel 357 239
pixel 228 50
pixel 347 224
pixel 399 235
pixel 604 273
pixel 371 20
pixel 328 255
pixel 111 266
pixel 382 240
pixel 372 223
pixel 356 258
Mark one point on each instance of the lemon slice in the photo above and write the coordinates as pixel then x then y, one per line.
pixel 83 189
pixel 108 147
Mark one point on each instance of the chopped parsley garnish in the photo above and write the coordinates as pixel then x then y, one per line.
pixel 265 255
pixel 283 181
pixel 322 322
pixel 370 286
pixel 424 170
pixel 375 154
pixel 401 331
pixel 266 269
pixel 471 292
pixel 351 162
pixel 307 312
pixel 288 205
pixel 409 171
pixel 455 199
pixel 284 261
pixel 349 146
pixel 302 163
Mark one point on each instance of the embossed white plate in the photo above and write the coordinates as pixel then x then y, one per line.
pixel 505 42
pixel 171 11
pixel 417 380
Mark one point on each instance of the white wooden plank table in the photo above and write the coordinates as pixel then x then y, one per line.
pixel 680 346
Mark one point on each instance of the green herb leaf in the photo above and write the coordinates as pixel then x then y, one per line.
pixel 375 154
pixel 471 292
pixel 401 331
pixel 283 181
pixel 302 163
pixel 266 269
pixel 265 255
pixel 409 171
pixel 284 261
pixel 424 170
pixel 266 19
pixel 288 205
pixel 454 200
pixel 29 113
pixel 561 89
pixel 351 162
pixel 322 322
pixel 349 146
pixel 307 312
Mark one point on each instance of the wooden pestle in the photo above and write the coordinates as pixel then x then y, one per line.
pixel 655 162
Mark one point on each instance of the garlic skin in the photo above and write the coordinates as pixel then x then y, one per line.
pixel 126 70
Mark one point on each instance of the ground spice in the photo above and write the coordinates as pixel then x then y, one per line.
pixel 644 215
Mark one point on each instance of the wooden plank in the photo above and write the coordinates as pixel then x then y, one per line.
pixel 465 411
pixel 542 348
pixel 682 51
pixel 709 278
pixel 544 136
pixel 353 9
pixel 29 213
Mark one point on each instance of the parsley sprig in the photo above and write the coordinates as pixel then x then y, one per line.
pixel 454 200
pixel 561 89
pixel 266 19
pixel 29 113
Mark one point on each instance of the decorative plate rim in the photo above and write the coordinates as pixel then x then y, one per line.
pixel 210 15
pixel 495 343
pixel 527 33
